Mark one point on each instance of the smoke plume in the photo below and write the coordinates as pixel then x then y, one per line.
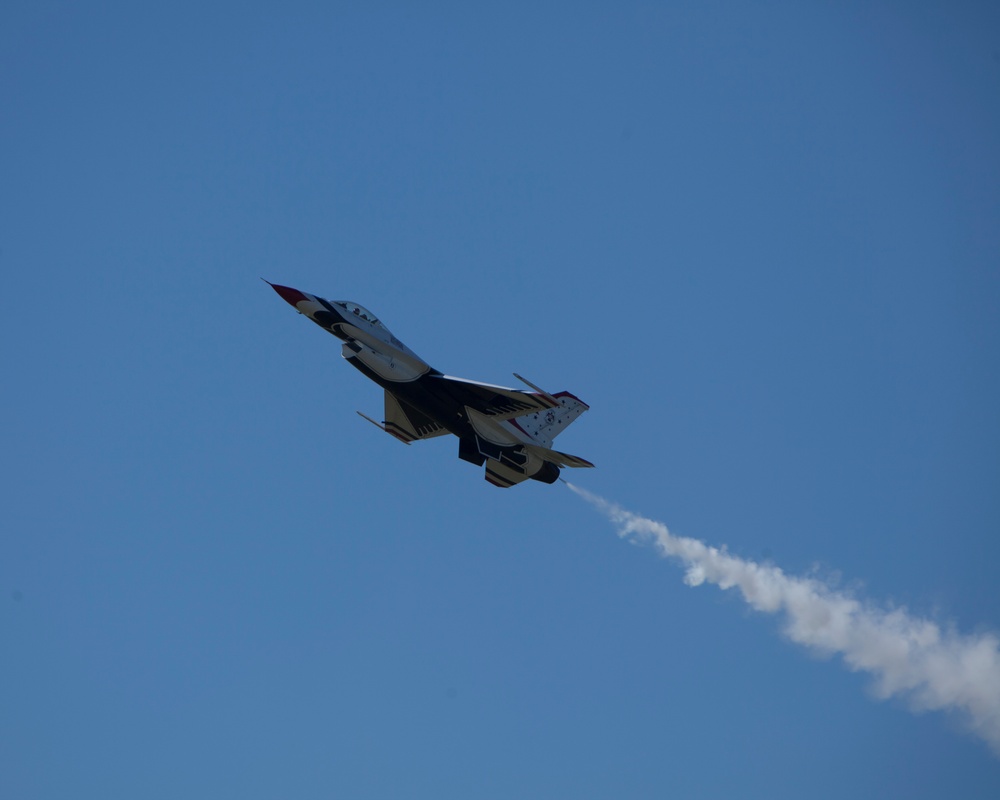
pixel 930 667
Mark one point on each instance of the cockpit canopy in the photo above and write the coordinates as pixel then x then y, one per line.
pixel 358 311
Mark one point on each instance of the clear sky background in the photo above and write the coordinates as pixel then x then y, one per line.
pixel 760 240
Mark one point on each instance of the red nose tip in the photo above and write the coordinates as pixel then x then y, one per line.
pixel 288 294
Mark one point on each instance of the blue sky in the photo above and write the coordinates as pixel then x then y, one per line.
pixel 761 243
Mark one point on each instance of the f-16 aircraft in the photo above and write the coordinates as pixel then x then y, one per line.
pixel 509 430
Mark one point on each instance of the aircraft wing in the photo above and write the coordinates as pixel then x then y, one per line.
pixel 406 423
pixel 494 401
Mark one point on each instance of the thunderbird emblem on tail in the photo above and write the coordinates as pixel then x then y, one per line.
pixel 509 430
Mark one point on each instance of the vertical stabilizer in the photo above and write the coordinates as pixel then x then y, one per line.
pixel 545 426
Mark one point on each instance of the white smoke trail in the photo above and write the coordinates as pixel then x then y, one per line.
pixel 933 669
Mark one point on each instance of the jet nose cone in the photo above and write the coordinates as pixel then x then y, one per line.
pixel 288 294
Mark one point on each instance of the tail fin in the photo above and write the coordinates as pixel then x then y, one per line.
pixel 545 426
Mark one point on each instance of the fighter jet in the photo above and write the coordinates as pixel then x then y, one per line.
pixel 509 430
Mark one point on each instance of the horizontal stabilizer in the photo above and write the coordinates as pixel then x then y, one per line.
pixel 561 459
pixel 502 475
